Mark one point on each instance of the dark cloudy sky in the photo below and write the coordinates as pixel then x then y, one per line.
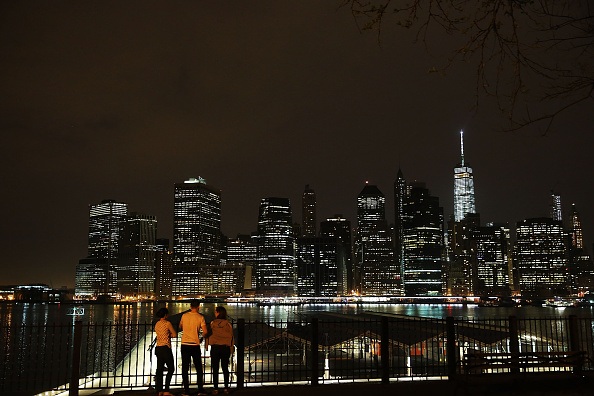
pixel 120 100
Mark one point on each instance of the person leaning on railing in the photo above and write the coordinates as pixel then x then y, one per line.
pixel 220 340
pixel 165 332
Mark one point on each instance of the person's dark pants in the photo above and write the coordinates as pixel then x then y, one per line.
pixel 219 355
pixel 191 352
pixel 164 358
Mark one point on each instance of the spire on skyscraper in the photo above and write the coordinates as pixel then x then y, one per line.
pixel 463 186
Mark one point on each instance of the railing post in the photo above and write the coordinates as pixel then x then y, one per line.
pixel 75 370
pixel 451 354
pixel 385 350
pixel 574 341
pixel 314 351
pixel 239 347
pixel 514 344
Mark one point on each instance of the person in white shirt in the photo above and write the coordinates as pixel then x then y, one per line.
pixel 190 324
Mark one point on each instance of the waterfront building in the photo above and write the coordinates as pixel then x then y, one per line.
pixel 242 253
pixel 491 255
pixel 556 210
pixel 97 275
pixel 400 194
pixel 463 186
pixel 461 275
pixel 308 212
pixel 340 228
pixel 321 267
pixel 163 269
pixel 581 268
pixel 423 243
pixel 90 278
pixel 540 257
pixel 275 270
pixel 377 271
pixel 196 237
pixel 136 256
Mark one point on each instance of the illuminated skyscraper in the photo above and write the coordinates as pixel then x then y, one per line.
pixel 422 243
pixel 136 256
pixel 275 271
pixel 104 233
pixel 463 186
pixel 196 237
pixel 242 254
pixel 374 252
pixel 556 211
pixel 340 228
pixel 491 253
pixel 540 257
pixel 308 212
pixel 400 194
pixel 577 238
pixel 163 269
pixel 320 267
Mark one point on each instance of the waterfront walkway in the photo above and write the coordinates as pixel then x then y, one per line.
pixel 487 385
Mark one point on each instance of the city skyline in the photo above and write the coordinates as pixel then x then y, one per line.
pixel 260 99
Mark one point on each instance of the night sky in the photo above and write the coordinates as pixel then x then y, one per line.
pixel 120 100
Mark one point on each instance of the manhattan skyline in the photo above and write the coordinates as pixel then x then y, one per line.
pixel 122 101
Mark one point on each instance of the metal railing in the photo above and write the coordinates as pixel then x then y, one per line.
pixel 323 349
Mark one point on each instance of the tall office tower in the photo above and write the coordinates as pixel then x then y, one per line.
pixel 163 269
pixel 196 237
pixel 340 228
pixel 540 257
pixel 461 274
pixel 321 266
pixel 400 193
pixel 422 243
pixel 104 233
pixel 242 253
pixel 556 212
pixel 581 268
pixel 491 254
pixel 378 273
pixel 577 238
pixel 308 212
pixel 463 186
pixel 275 271
pixel 136 256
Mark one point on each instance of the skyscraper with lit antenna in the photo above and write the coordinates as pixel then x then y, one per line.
pixel 463 186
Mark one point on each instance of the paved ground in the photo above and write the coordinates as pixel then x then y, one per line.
pixel 493 385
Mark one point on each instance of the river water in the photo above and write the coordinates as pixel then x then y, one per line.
pixel 13 313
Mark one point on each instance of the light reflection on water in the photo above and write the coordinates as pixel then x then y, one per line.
pixel 131 313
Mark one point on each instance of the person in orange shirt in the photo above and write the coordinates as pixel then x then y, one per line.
pixel 165 332
pixel 190 325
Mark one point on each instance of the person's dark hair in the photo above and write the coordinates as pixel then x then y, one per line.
pixel 162 312
pixel 194 303
pixel 222 312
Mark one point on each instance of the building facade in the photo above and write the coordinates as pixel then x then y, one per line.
pixel 423 243
pixel 136 256
pixel 276 274
pixel 196 238
pixel 340 228
pixel 308 213
pixel 541 257
pixel 321 267
pixel 377 271
pixel 105 220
